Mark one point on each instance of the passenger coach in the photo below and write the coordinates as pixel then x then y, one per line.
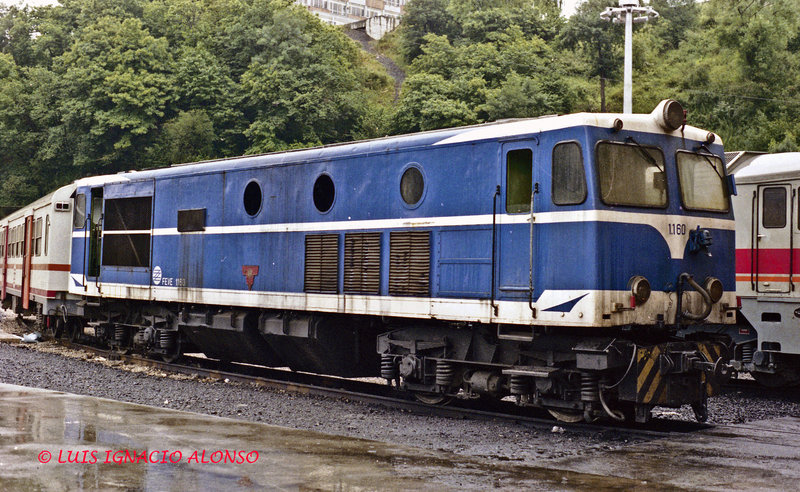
pixel 768 267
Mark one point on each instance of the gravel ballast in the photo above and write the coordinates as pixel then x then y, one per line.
pixel 49 366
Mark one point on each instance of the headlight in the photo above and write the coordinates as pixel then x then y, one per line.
pixel 669 115
pixel 714 288
pixel 640 289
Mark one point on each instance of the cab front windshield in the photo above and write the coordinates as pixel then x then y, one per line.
pixel 702 184
pixel 631 174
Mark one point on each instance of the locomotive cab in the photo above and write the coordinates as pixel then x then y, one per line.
pixel 608 237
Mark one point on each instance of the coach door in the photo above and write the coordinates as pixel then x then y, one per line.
pixel 514 230
pixel 26 262
pixel 773 238
pixel 4 254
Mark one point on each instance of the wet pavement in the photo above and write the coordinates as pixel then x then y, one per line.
pixel 57 441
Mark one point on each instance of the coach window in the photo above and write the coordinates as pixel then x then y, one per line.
pixel 46 232
pixel 79 213
pixel 519 177
pixel 37 237
pixel 324 193
pixel 773 214
pixel 631 174
pixel 569 178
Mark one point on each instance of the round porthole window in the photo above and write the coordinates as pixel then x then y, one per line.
pixel 252 198
pixel 324 193
pixel 412 185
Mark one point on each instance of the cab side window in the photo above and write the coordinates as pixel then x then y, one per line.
pixel 519 179
pixel 569 177
pixel 79 212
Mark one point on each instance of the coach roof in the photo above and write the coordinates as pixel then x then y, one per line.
pixel 770 167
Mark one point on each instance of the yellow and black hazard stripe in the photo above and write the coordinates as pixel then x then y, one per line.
pixel 712 352
pixel 651 386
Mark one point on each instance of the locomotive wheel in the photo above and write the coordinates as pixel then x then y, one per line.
pixel 58 328
pixel 170 358
pixel 566 416
pixel 120 350
pixel 73 330
pixel 173 356
pixel 433 398
pixel 777 380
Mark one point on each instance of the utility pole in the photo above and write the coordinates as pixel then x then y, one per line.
pixel 630 13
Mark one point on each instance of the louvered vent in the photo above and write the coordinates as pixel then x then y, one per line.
pixel 410 263
pixel 322 263
pixel 362 263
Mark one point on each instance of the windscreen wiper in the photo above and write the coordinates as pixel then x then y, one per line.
pixel 646 154
pixel 710 163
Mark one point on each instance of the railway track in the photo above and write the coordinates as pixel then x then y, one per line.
pixel 384 395
pixel 751 386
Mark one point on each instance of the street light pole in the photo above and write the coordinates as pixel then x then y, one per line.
pixel 633 14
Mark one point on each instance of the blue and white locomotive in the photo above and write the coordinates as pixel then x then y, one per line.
pixel 548 259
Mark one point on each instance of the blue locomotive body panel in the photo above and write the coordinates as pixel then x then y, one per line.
pixel 259 259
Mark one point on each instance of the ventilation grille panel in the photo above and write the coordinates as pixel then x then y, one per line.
pixel 322 264
pixel 362 263
pixel 410 263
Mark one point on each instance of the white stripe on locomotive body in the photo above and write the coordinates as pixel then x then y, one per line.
pixel 660 222
pixel 591 309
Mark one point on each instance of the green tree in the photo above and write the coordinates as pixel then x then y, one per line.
pixel 17 140
pixel 189 137
pixel 115 86
pixel 305 85
pixel 430 101
pixel 423 17
pixel 203 82
pixel 598 41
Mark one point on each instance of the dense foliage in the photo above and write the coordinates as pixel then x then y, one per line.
pixel 99 86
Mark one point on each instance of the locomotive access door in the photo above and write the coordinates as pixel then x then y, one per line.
pixel 772 228
pixel 95 233
pixel 514 233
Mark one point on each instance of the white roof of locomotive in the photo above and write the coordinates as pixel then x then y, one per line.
pixel 637 122
pixel 770 167
pixel 487 131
